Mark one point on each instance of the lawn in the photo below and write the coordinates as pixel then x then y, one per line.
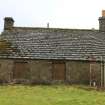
pixel 50 95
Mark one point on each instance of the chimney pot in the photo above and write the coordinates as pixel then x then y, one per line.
pixel 103 13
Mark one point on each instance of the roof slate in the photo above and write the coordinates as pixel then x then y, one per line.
pixel 50 43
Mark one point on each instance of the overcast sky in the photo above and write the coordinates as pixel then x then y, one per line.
pixel 59 13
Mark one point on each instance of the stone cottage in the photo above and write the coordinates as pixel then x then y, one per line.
pixel 52 55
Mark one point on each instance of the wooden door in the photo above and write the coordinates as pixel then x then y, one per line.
pixel 58 71
pixel 21 70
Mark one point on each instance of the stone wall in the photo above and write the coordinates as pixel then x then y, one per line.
pixel 77 72
pixel 6 67
pixel 80 72
pixel 40 71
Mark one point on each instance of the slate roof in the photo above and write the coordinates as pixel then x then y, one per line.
pixel 53 43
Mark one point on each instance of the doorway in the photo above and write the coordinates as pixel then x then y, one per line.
pixel 58 71
pixel 21 70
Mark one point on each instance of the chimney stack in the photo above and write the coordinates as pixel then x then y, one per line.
pixel 102 22
pixel 8 23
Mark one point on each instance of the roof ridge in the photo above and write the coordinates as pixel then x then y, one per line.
pixel 52 28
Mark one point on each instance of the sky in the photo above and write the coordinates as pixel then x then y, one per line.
pixel 78 14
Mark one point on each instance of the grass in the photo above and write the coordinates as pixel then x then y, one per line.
pixel 50 95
